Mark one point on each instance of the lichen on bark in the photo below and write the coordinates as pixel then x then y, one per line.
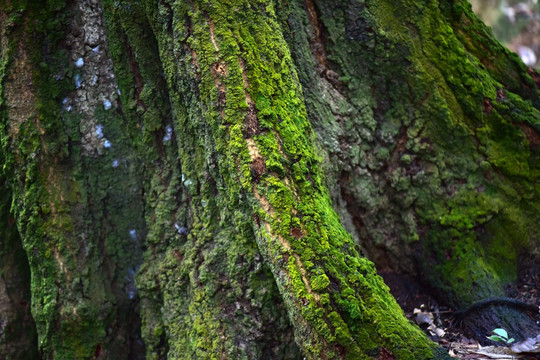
pixel 72 208
pixel 432 148
pixel 238 92
pixel 231 142
pixel 205 292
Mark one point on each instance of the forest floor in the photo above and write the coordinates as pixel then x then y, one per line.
pixel 439 323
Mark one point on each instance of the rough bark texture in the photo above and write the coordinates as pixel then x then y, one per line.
pixel 180 171
pixel 77 214
pixel 430 130
pixel 411 136
pixel 18 338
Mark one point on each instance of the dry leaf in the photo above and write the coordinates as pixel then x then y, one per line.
pixel 423 317
pixel 530 345
pixel 497 352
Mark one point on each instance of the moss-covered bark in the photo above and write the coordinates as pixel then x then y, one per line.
pixel 75 209
pixel 431 129
pixel 204 289
pixel 218 137
pixel 18 338
pixel 238 112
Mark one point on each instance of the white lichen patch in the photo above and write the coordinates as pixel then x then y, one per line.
pixel 78 81
pixel 99 131
pixel 182 230
pixel 95 85
pixel 130 286
pixel 168 133
pixel 66 104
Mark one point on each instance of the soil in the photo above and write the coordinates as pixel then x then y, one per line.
pixel 421 305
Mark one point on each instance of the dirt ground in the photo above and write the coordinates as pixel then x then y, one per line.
pixel 439 321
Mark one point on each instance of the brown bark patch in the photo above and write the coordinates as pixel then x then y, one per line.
pixel 244 79
pixel 285 258
pixel 213 35
pixel 258 167
pixel 341 351
pixel 251 122
pixel 219 69
pixel 18 87
pixel 401 147
pixel 296 233
pixel 535 76
pixel 386 354
pixel 500 95
pixel 402 142
pixel 97 351
pixel 195 62
pixel 332 77
pixel 317 45
pixel 487 106
pixel 532 136
pixel 222 98
pixel 178 255
pixel 257 220
pixel 135 70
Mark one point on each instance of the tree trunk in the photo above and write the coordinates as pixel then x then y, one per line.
pixel 18 338
pixel 430 132
pixel 186 176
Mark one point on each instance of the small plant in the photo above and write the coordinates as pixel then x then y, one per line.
pixel 500 335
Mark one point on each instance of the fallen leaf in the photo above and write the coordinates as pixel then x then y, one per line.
pixel 423 318
pixel 530 345
pixel 497 352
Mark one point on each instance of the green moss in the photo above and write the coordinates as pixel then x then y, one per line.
pixel 193 279
pixel 460 153
pixel 294 201
pixel 442 160
pixel 67 205
pixel 199 234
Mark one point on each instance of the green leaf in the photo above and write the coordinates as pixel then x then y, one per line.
pixel 511 340
pixel 500 332
pixel 496 338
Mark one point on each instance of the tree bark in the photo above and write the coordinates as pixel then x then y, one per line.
pixel 430 130
pixel 18 338
pixel 186 175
